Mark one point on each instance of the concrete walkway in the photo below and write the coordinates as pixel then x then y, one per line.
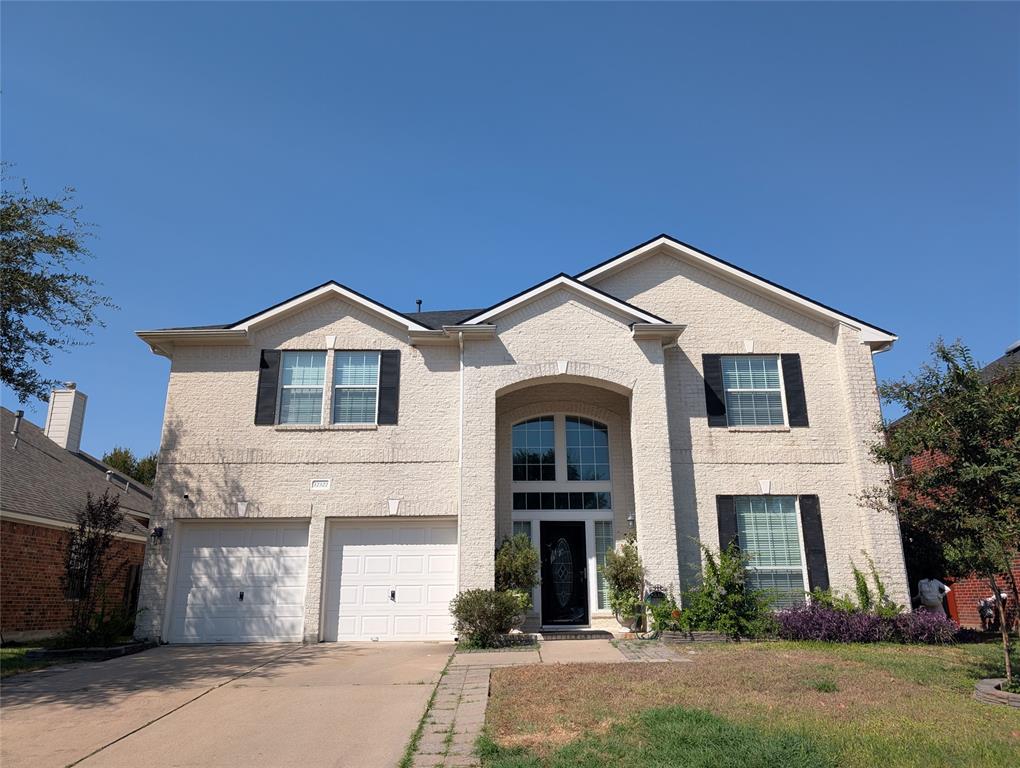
pixel 457 715
pixel 339 705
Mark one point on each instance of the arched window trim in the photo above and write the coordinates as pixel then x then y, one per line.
pixel 560 480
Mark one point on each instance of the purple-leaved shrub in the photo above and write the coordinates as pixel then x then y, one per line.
pixel 819 622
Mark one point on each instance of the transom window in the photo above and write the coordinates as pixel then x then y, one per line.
pixel 534 449
pixel 587 449
pixel 355 387
pixel 769 534
pixel 303 376
pixel 563 500
pixel 754 395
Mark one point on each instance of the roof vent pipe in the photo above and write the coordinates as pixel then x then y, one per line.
pixel 18 415
pixel 418 302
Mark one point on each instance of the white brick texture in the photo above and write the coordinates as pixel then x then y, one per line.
pixel 560 353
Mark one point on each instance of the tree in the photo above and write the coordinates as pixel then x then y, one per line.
pixel 86 562
pixel 47 305
pixel 964 497
pixel 123 460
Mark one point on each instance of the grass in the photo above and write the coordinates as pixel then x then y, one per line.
pixel 13 661
pixel 864 705
pixel 407 759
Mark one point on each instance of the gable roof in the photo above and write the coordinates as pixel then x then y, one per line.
pixel 42 480
pixel 563 280
pixel 872 334
pixel 436 319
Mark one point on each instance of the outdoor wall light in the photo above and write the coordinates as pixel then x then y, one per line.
pixel 630 521
pixel 242 508
pixel 157 534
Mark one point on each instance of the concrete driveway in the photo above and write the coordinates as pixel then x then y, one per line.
pixel 353 704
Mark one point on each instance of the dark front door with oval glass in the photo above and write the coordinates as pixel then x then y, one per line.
pixel 564 574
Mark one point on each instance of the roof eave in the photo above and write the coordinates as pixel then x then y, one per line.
pixel 163 342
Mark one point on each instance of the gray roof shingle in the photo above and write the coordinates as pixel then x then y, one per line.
pixel 41 479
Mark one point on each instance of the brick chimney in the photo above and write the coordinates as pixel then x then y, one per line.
pixel 66 416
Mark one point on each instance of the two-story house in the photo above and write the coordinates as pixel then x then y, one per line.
pixel 332 469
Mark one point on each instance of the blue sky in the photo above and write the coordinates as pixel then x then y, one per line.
pixel 235 154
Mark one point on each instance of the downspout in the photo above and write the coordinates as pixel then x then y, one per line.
pixel 460 455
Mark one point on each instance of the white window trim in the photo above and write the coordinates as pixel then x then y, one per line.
pixel 378 375
pixel 800 541
pixel 782 394
pixel 281 386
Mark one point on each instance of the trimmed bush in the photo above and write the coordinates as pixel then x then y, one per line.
pixel 830 625
pixel 482 615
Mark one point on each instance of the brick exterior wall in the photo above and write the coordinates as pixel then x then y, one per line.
pixel 966 592
pixel 212 451
pixel 32 602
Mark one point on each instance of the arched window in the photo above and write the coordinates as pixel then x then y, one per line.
pixel 587 449
pixel 534 448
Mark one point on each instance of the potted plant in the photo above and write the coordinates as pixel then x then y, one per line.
pixel 626 579
pixel 517 567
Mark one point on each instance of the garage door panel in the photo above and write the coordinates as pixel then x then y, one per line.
pixel 268 563
pixel 365 562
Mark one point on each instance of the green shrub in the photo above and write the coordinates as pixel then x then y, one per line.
pixel 877 603
pixel 665 615
pixel 482 615
pixel 517 567
pixel 723 602
pixel 625 577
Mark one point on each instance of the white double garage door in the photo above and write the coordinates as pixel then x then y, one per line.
pixel 242 582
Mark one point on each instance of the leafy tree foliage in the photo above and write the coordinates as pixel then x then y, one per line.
pixel 964 496
pixel 123 460
pixel 47 304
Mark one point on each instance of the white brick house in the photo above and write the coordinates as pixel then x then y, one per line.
pixel 333 469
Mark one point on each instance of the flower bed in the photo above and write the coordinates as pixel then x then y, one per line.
pixel 819 622
pixel 990 692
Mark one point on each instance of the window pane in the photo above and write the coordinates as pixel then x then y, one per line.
pixel 769 535
pixel 587 449
pixel 603 543
pixel 301 405
pixel 354 406
pixel 355 369
pixel 522 526
pixel 534 452
pixel 754 408
pixel 562 500
pixel 753 395
pixel 304 369
pixel 786 587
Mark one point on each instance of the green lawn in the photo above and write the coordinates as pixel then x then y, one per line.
pixel 770 704
pixel 13 661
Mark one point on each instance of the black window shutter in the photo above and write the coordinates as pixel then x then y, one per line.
pixel 793 379
pixel 715 396
pixel 269 380
pixel 389 385
pixel 814 543
pixel 727 513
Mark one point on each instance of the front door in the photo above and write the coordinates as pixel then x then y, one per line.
pixel 564 573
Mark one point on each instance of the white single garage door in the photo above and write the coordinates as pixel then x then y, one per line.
pixel 240 583
pixel 390 580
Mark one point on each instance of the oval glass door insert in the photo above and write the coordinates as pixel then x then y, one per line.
pixel 562 563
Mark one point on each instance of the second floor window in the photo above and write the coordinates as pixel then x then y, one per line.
pixel 534 449
pixel 754 393
pixel 355 387
pixel 303 376
pixel 587 449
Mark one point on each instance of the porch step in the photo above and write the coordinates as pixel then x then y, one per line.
pixel 575 634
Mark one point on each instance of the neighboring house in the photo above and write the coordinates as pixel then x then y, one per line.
pixel 44 479
pixel 333 469
pixel 967 592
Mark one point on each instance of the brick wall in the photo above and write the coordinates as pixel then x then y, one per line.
pixel 32 601
pixel 963 600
